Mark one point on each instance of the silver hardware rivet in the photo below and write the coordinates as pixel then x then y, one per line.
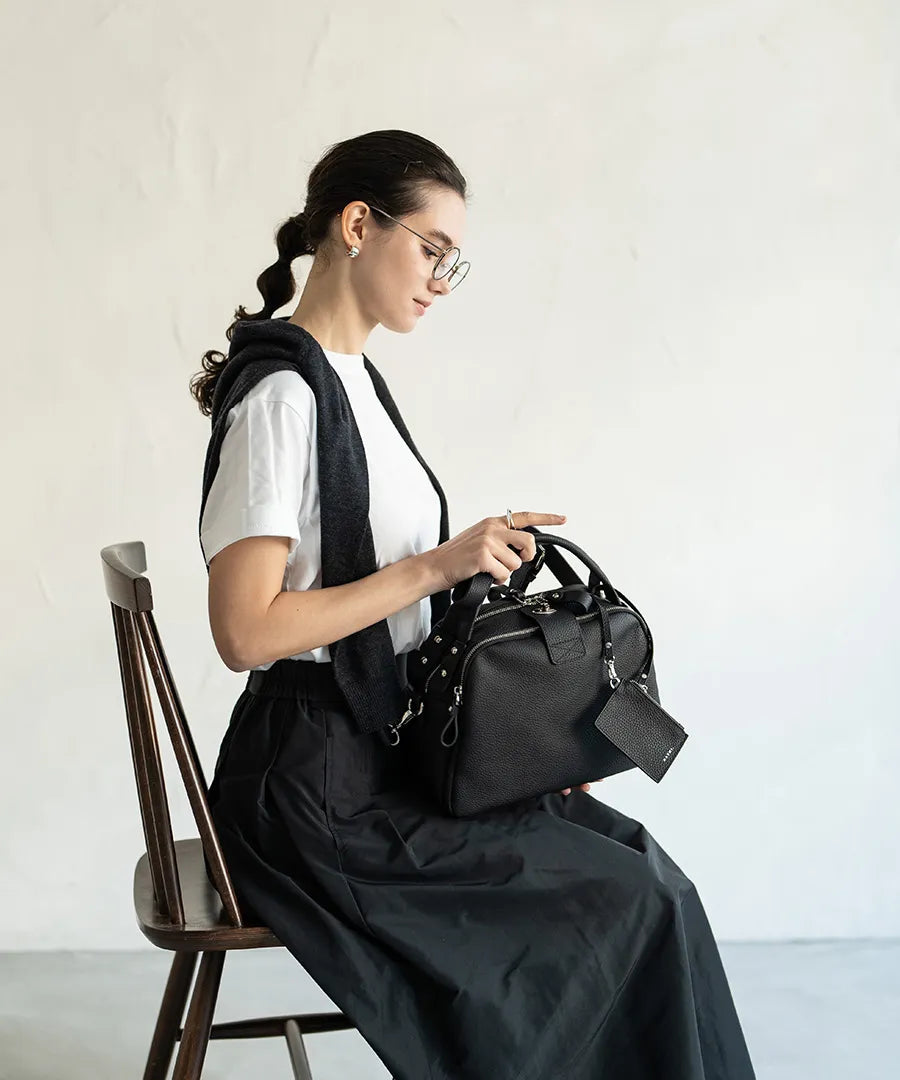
pixel 424 659
pixel 443 672
pixel 437 638
pixel 454 649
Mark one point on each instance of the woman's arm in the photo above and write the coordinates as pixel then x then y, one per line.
pixel 254 621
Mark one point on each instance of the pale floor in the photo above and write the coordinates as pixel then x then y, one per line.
pixel 810 1011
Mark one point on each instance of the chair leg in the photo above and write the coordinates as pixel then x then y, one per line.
pixel 195 1037
pixel 297 1051
pixel 170 1013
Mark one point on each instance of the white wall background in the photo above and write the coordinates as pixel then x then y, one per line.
pixel 680 329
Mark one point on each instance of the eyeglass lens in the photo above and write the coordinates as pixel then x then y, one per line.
pixel 447 264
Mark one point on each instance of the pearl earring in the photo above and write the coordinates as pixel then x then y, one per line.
pixel 353 252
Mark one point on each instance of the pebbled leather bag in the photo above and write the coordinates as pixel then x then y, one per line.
pixel 514 695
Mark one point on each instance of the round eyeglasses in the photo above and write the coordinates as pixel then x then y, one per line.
pixel 448 263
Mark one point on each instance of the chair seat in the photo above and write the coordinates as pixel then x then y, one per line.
pixel 206 926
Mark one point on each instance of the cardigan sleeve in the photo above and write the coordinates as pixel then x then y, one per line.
pixel 263 468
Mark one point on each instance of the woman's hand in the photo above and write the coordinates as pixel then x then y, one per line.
pixel 487 546
pixel 581 787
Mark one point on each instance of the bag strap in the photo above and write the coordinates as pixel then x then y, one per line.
pixel 549 544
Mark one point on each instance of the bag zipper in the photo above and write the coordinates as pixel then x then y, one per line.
pixel 509 634
pixel 495 610
pixel 458 688
pixel 529 601
pixel 536 600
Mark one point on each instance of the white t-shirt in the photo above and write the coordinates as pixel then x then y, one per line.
pixel 266 484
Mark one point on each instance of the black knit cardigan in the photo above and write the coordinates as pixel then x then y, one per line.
pixel 364 662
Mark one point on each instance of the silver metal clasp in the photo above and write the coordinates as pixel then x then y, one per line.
pixel 408 714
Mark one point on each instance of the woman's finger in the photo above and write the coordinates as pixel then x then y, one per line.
pixel 582 787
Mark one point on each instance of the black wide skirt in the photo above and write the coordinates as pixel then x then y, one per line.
pixel 551 938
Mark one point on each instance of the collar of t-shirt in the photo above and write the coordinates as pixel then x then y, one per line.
pixel 345 363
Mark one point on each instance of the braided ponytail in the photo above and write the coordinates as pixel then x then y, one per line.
pixel 276 284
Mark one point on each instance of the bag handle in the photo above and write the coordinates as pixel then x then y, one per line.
pixel 567 576
pixel 547 551
pixel 467 596
pixel 547 544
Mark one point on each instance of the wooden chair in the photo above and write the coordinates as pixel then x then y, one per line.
pixel 176 906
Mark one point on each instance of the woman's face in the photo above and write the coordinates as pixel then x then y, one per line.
pixel 398 265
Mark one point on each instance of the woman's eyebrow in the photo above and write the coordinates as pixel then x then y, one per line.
pixel 441 236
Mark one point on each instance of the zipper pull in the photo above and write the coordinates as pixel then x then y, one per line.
pixel 451 723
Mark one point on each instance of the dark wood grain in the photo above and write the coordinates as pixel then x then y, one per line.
pixel 206 926
pixel 168 1023
pixel 179 906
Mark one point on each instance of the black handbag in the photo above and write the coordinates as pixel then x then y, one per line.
pixel 514 695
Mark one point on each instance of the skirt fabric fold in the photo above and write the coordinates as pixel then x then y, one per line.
pixel 551 938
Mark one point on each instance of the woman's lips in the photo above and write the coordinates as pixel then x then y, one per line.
pixel 420 308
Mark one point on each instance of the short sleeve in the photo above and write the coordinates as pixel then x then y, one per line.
pixel 260 480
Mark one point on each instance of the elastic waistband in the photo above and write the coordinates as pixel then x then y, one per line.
pixel 305 678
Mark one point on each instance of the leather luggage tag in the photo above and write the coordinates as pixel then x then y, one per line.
pixel 641 728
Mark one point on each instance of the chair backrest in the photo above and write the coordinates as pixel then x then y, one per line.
pixel 137 638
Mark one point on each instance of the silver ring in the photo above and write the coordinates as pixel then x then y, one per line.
pixel 509 520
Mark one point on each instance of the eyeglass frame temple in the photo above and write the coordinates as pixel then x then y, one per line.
pixel 430 243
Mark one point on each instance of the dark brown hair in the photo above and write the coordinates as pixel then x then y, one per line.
pixel 393 170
